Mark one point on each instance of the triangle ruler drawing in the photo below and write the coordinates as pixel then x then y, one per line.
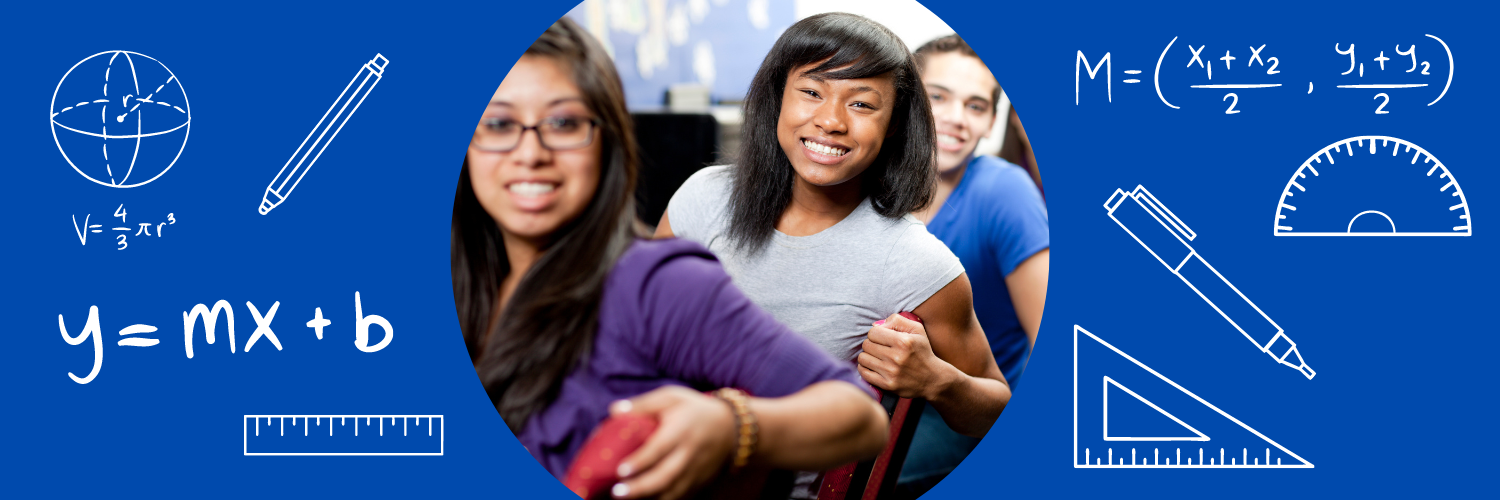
pixel 1110 385
pixel 1127 415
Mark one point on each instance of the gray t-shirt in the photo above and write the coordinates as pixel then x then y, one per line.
pixel 830 286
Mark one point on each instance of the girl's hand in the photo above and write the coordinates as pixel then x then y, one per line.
pixel 898 358
pixel 693 440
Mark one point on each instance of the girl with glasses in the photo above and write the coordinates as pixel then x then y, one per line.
pixel 569 318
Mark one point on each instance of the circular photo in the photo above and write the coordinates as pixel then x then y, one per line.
pixel 763 251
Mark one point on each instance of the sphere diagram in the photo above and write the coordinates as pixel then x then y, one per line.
pixel 120 119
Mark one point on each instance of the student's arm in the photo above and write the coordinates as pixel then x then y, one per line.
pixel 945 360
pixel 813 411
pixel 664 230
pixel 820 427
pixel 1028 292
pixel 698 197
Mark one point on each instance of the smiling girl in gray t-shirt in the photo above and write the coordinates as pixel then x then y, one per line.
pixel 830 286
pixel 813 224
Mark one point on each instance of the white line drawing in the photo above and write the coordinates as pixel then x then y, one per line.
pixel 90 332
pixel 138 341
pixel 362 328
pixel 1237 86
pixel 82 232
pixel 1384 86
pixel 1410 51
pixel 1201 57
pixel 1450 67
pixel 1198 436
pixel 1157 78
pixel 119 110
pixel 263 325
pixel 421 435
pixel 1333 190
pixel 311 149
pixel 1145 212
pixel 1094 71
pixel 1388 220
pixel 1087 458
pixel 319 322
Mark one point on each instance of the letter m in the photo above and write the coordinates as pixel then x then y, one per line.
pixel 1084 63
pixel 209 318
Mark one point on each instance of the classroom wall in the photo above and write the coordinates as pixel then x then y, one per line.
pixel 720 43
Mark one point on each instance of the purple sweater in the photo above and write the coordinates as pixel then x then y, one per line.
pixel 671 316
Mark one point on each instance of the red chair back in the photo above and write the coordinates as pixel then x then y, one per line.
pixel 876 479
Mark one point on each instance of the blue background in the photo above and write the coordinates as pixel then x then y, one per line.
pixel 1401 404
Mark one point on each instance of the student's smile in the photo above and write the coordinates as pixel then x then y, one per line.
pixel 529 188
pixel 960 90
pixel 832 130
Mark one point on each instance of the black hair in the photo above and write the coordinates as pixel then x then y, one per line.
pixel 549 323
pixel 954 43
pixel 842 46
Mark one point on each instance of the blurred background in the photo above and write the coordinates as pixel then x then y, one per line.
pixel 686 65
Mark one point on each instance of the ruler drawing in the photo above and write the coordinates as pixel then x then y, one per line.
pixel 343 435
pixel 1111 383
pixel 1098 437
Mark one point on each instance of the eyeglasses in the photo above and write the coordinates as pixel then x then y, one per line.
pixel 502 135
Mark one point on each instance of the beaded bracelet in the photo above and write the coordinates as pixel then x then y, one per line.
pixel 747 428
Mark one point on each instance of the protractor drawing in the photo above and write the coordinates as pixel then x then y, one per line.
pixel 1373 186
pixel 1127 415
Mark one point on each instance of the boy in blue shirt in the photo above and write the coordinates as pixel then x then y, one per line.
pixel 990 214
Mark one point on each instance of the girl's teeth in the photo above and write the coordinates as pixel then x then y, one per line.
pixel 947 139
pixel 531 188
pixel 819 148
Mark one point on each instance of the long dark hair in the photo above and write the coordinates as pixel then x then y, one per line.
pixel 845 46
pixel 550 320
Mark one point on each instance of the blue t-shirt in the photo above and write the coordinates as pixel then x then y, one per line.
pixel 994 220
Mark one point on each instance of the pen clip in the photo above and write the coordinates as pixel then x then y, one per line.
pixel 1115 199
pixel 1155 205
